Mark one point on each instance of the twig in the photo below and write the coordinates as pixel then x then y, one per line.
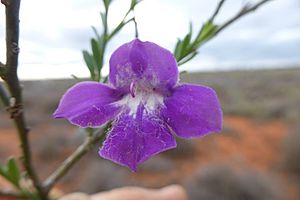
pixel 217 10
pixel 211 31
pixel 135 28
pixel 74 157
pixel 8 193
pixel 245 10
pixel 12 80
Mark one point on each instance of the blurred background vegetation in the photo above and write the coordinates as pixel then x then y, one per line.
pixel 257 156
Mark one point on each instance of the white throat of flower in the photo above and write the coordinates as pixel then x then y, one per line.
pixel 151 101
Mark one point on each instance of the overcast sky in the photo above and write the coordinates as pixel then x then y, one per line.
pixel 53 33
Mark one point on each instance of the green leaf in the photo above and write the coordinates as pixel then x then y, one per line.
pixel 89 61
pixel 106 3
pixel 75 77
pixel 185 43
pixel 189 57
pixel 177 50
pixel 96 32
pixel 103 19
pixel 13 171
pixel 117 29
pixel 183 47
pixel 134 3
pixel 96 51
pixel 207 32
pixel 3 171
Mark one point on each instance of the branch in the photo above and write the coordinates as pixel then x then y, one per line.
pixel 74 157
pixel 217 10
pixel 12 51
pixel 8 193
pixel 135 28
pixel 245 10
pixel 186 49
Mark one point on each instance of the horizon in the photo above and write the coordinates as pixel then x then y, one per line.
pixel 51 44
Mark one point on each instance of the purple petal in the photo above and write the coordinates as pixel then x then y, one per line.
pixel 89 104
pixel 135 138
pixel 193 110
pixel 145 63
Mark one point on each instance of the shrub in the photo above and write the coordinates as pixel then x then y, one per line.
pixel 224 183
pixel 101 175
pixel 184 149
pixel 158 164
pixel 291 152
pixel 50 146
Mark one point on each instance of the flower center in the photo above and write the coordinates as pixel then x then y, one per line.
pixel 151 101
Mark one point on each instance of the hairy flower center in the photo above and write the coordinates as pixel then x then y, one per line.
pixel 151 101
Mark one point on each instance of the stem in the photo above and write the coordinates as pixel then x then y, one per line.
pixel 104 43
pixel 12 80
pixel 217 10
pixel 190 53
pixel 116 30
pixel 74 157
pixel 136 28
pixel 245 10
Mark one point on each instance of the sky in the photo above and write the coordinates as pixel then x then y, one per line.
pixel 53 34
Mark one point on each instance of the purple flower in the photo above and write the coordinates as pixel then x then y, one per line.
pixel 146 103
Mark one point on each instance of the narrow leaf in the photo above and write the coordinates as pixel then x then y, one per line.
pixel 103 19
pixel 96 32
pixel 206 32
pixel 185 43
pixel 96 51
pixel 90 63
pixel 117 29
pixel 177 51
pixel 133 3
pixel 106 3
pixel 13 171
pixel 3 171
pixel 188 58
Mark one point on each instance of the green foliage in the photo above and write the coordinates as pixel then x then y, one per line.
pixel 95 59
pixel 106 3
pixel 89 61
pixel 215 182
pixel 11 172
pixel 134 3
pixel 187 48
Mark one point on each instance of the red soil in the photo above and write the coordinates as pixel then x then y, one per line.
pixel 243 143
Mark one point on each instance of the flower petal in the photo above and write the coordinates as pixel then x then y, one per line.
pixel 145 63
pixel 89 104
pixel 193 110
pixel 135 138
